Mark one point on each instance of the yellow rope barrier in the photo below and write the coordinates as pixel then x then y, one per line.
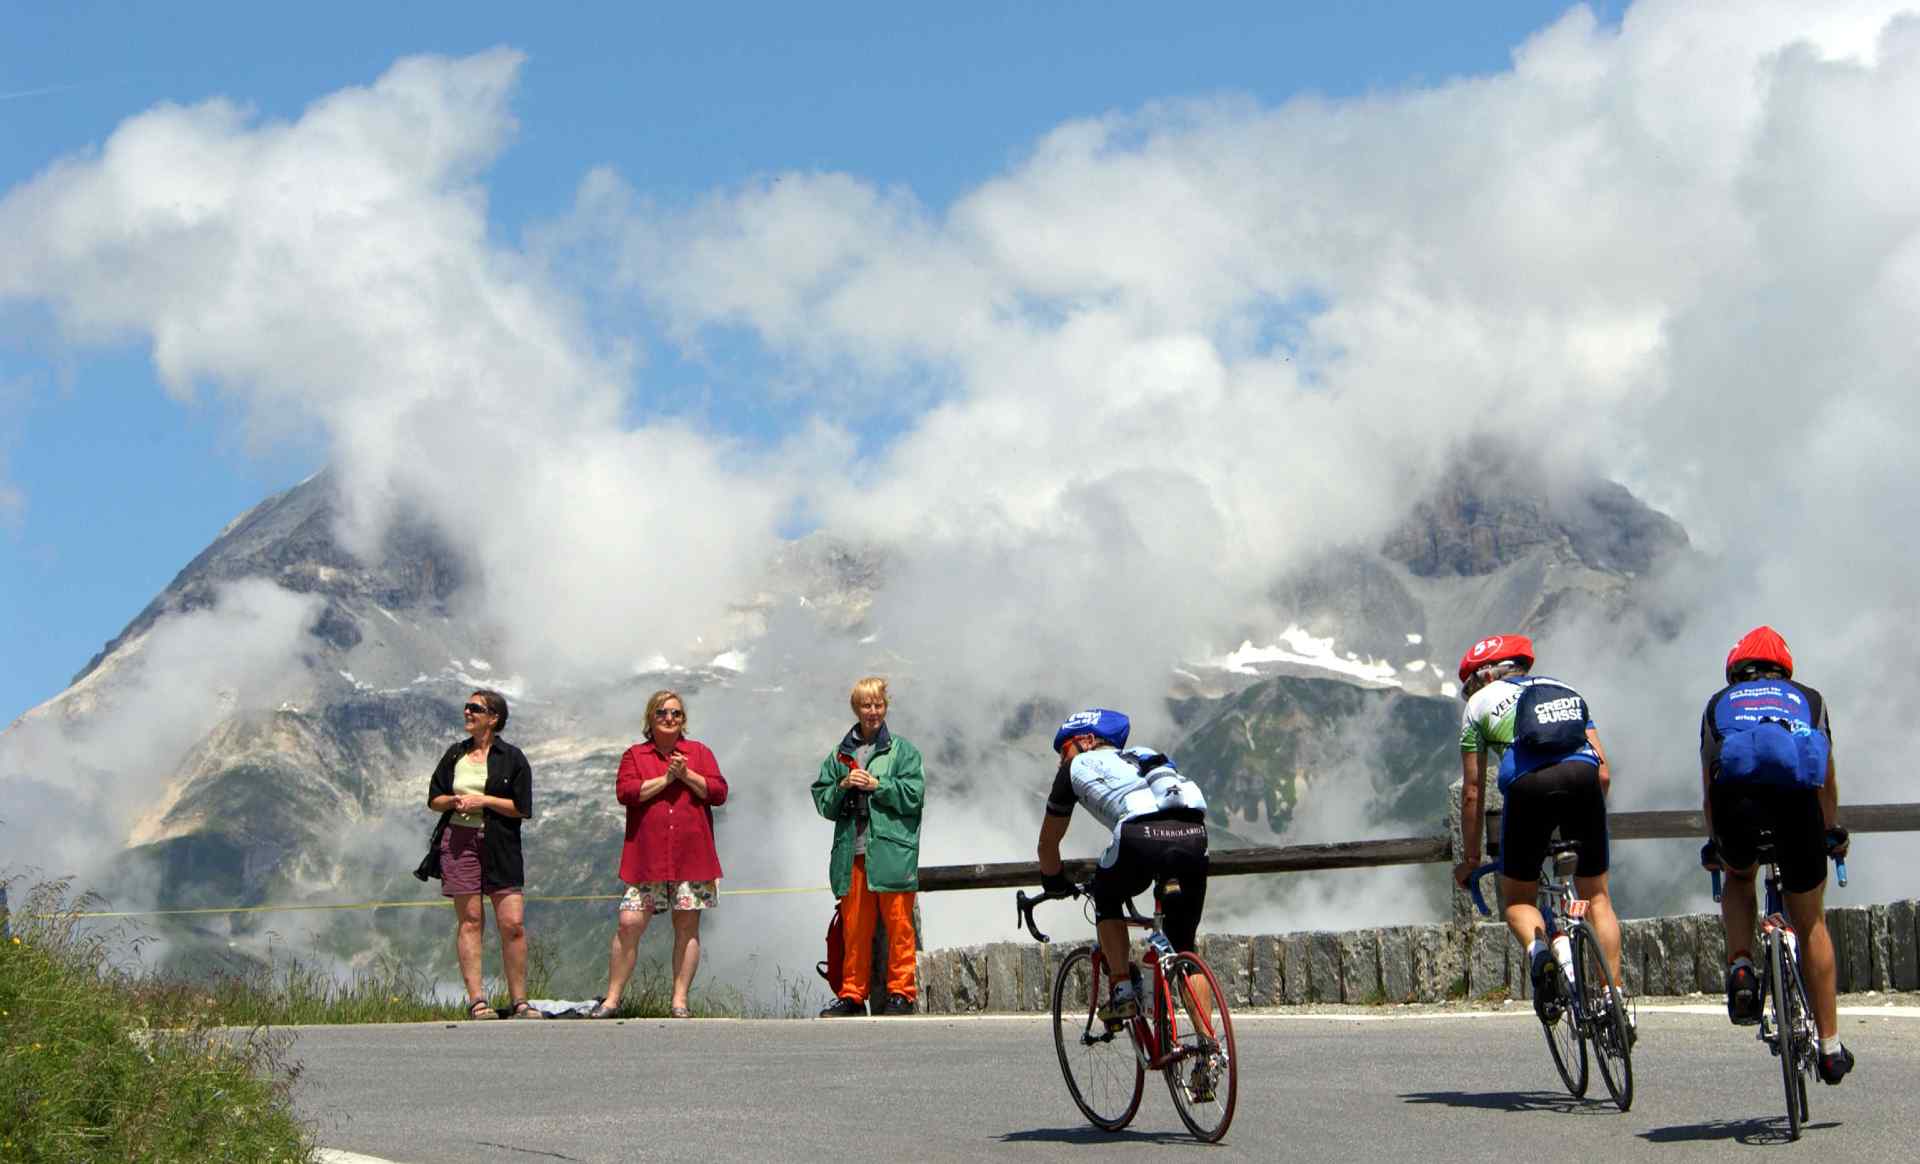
pixel 428 904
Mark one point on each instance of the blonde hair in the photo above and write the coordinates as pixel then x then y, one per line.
pixel 872 687
pixel 653 704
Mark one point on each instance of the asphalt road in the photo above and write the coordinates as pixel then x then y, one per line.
pixel 1426 1089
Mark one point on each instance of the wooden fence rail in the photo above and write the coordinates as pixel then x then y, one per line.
pixel 1623 826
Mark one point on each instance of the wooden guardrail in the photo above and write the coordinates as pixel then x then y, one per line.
pixel 1623 826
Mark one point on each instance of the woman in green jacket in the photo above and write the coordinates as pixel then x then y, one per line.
pixel 871 787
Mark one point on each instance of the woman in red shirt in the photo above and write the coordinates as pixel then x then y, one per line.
pixel 669 784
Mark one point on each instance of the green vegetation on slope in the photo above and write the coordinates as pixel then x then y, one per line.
pixel 84 1077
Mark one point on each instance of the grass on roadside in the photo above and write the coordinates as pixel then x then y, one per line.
pixel 82 1077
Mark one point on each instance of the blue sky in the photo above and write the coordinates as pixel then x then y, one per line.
pixel 122 484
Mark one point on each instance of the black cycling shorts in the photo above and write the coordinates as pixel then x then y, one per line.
pixel 1153 851
pixel 1564 796
pixel 1793 813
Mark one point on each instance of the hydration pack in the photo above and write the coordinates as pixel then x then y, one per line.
pixel 1767 734
pixel 1549 724
pixel 1170 789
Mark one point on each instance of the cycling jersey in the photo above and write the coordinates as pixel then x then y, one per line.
pixel 1492 720
pixel 1119 786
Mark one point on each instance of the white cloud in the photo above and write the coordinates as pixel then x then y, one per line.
pixel 1169 352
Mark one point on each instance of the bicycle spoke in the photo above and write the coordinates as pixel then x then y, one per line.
pixel 1786 1024
pixel 1102 1072
pixel 1565 1039
pixel 1604 1010
pixel 1203 1074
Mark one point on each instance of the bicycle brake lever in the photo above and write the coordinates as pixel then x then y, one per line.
pixel 1840 868
pixel 1715 874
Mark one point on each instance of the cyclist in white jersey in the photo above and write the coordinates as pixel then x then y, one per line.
pixel 1158 822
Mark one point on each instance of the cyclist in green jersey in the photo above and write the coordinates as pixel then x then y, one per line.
pixel 1538 735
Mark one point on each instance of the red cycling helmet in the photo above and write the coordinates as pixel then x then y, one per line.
pixel 1762 644
pixel 1495 649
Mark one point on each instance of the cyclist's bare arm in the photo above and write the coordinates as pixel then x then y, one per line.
pixel 1473 774
pixel 1706 797
pixel 1600 753
pixel 1830 802
pixel 1052 829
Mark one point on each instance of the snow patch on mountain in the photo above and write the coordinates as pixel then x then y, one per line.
pixel 1297 646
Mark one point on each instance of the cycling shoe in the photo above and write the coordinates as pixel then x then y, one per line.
pixel 1743 994
pixel 1834 1068
pixel 1546 980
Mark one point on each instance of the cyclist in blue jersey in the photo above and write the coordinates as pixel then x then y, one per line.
pixel 1158 820
pixel 1539 735
pixel 1766 762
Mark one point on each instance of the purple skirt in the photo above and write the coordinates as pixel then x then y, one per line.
pixel 460 860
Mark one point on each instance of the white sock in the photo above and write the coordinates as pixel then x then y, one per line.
pixel 1831 1046
pixel 1533 950
pixel 1123 989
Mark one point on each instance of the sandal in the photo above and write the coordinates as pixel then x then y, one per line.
pixel 522 1009
pixel 600 1009
pixel 480 1008
pixel 680 1012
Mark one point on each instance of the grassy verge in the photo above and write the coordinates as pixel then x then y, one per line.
pixel 84 1075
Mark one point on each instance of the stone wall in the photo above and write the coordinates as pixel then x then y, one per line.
pixel 1875 947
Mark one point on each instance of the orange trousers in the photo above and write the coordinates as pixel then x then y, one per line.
pixel 859 910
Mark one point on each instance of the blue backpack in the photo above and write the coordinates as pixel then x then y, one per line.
pixel 1549 726
pixel 1768 733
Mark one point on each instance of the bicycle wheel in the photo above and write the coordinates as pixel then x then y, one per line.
pixel 1603 1007
pixel 1786 1032
pixel 1806 1045
pixel 1103 1074
pixel 1204 1077
pixel 1565 1038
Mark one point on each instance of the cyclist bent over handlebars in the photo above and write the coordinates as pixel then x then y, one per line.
pixel 1159 823
pixel 1553 773
pixel 1766 761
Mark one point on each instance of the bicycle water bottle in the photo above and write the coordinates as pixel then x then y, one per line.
pixel 1563 954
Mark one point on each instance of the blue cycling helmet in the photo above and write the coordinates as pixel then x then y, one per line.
pixel 1110 726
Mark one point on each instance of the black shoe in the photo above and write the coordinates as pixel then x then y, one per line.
pixel 1743 995
pixel 844 1008
pixel 1545 976
pixel 897 1004
pixel 1834 1068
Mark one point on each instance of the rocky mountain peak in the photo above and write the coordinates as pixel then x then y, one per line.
pixel 289 538
pixel 1478 520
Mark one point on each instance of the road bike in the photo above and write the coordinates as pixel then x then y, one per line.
pixel 1786 1021
pixel 1182 1030
pixel 1586 1007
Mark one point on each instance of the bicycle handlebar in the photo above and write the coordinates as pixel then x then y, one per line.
pixel 1473 885
pixel 1710 861
pixel 1023 909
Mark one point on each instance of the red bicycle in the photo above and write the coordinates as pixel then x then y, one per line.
pixel 1105 1072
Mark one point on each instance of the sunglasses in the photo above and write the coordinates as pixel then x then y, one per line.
pixel 669 713
pixel 477 709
